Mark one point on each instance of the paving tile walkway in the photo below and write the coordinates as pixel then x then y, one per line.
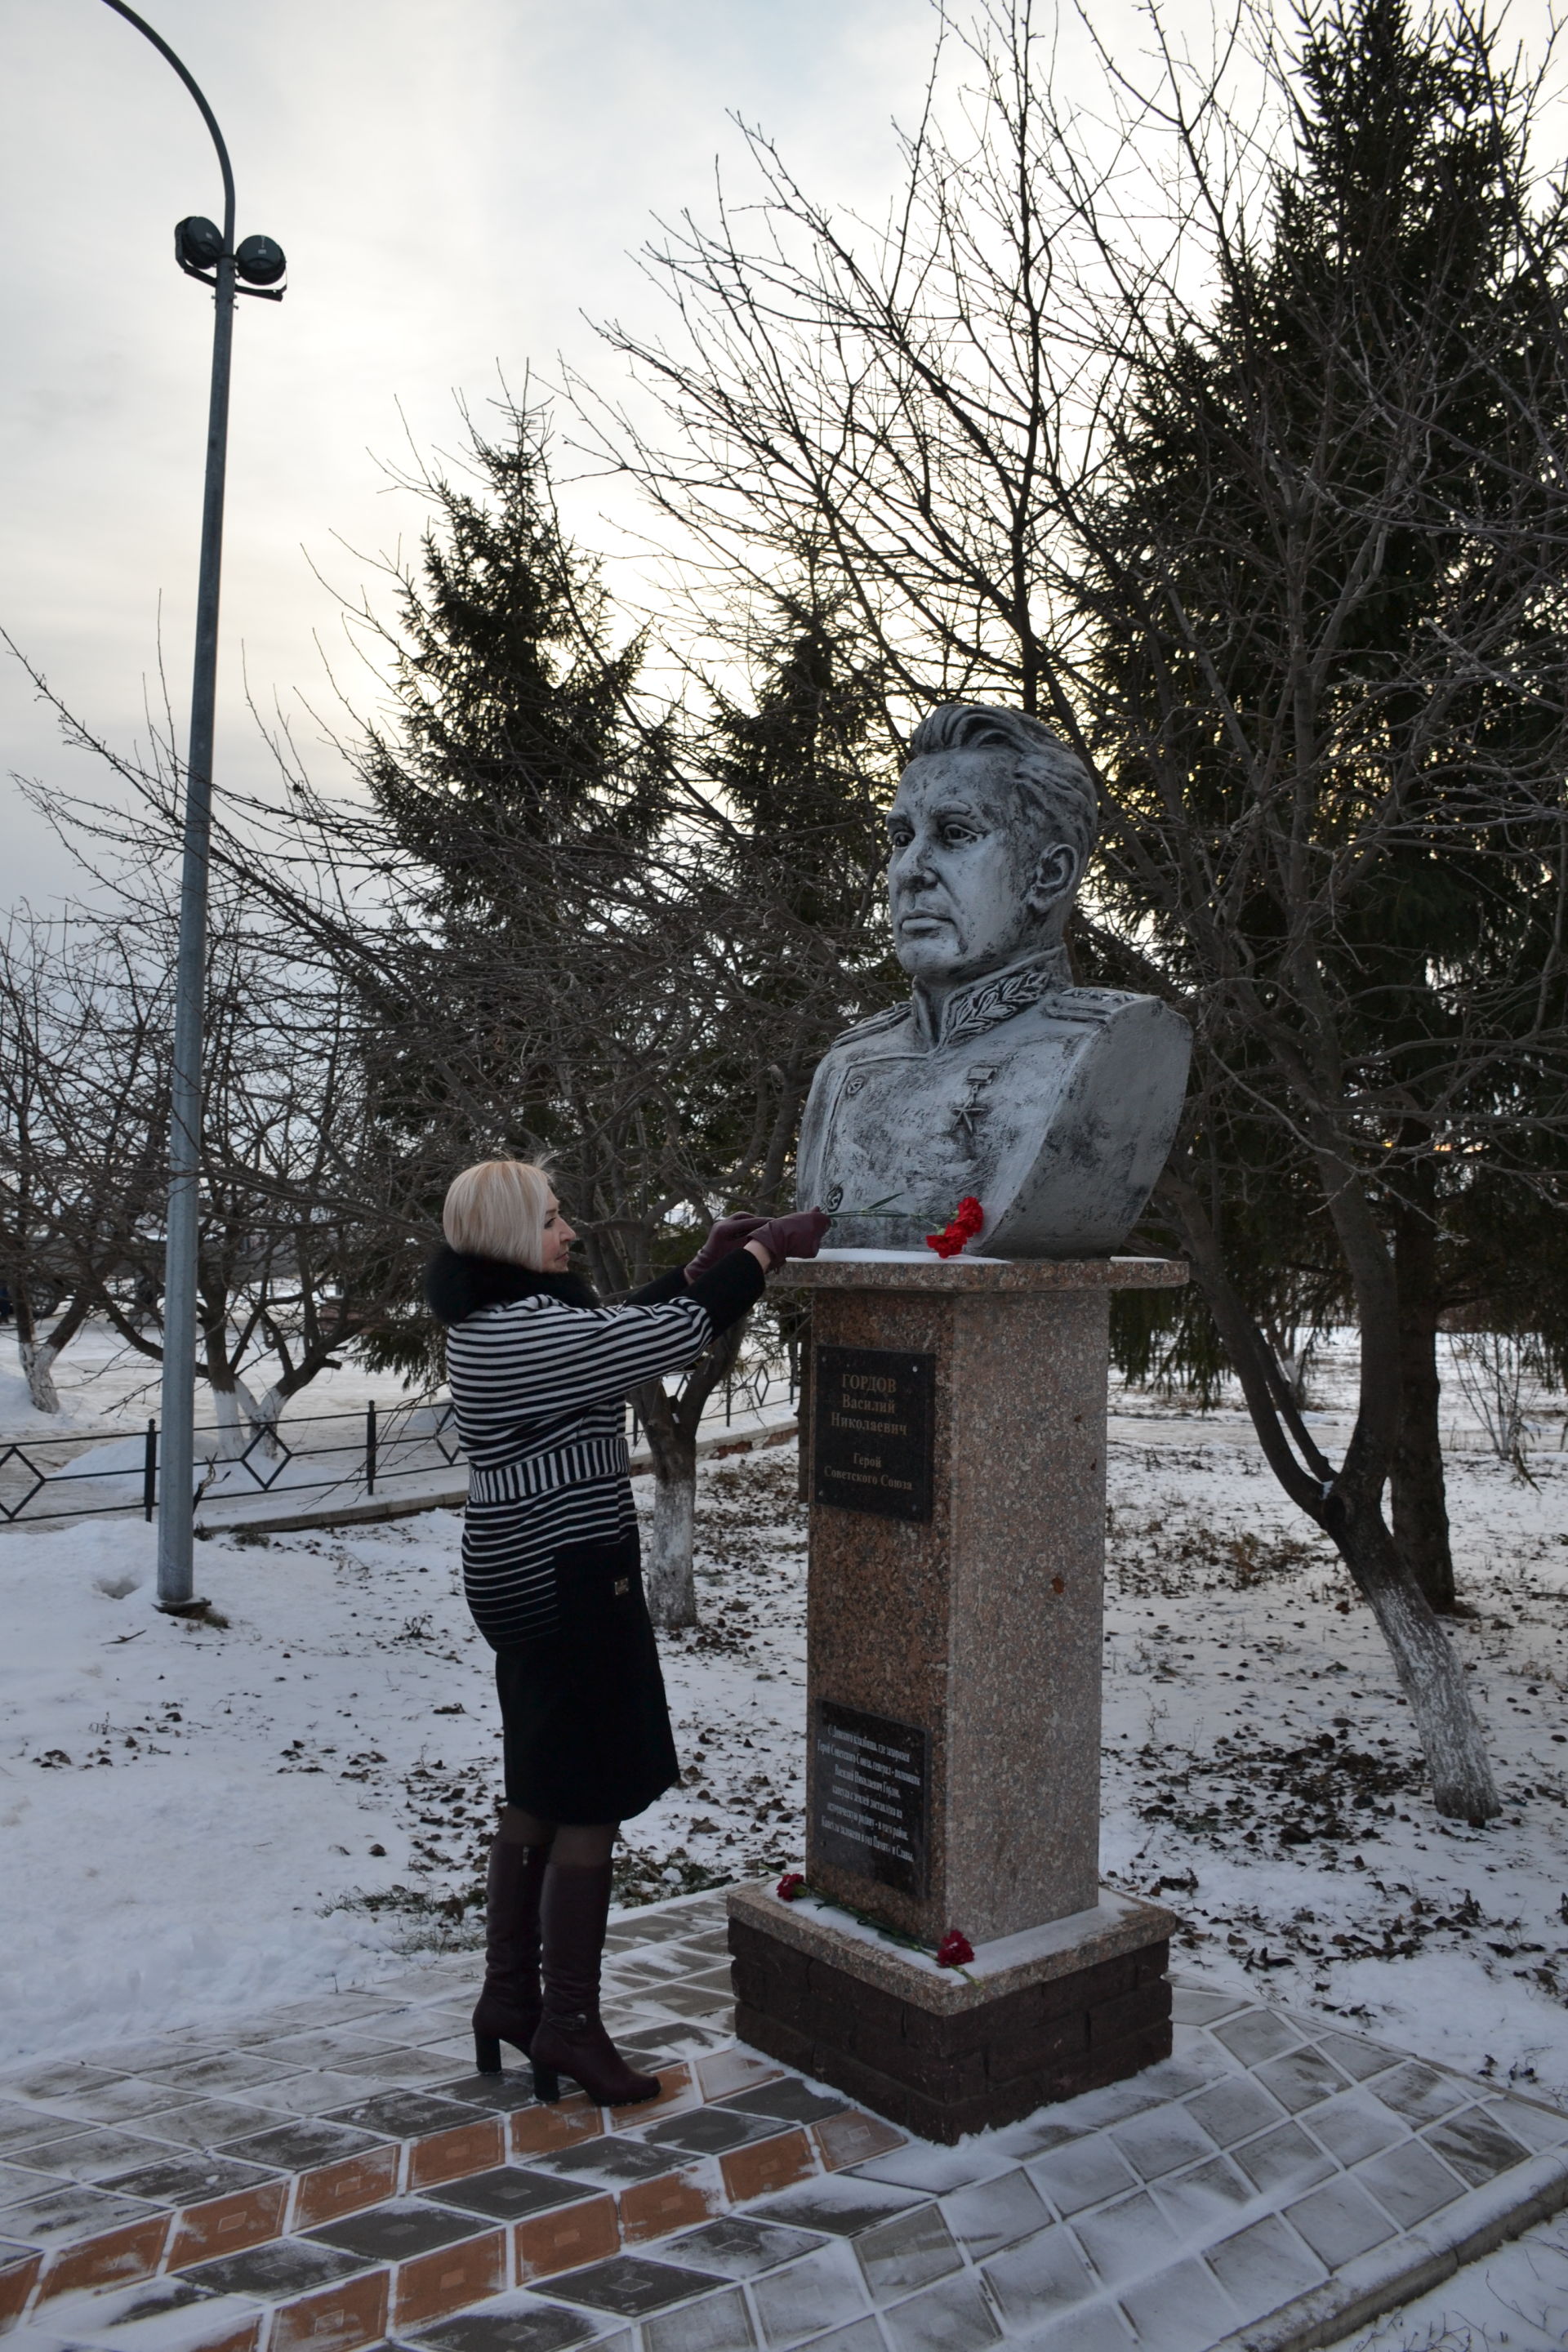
pixel 334 2176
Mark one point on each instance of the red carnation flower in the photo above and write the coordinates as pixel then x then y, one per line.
pixel 963 1226
pixel 954 1949
pixel 790 1884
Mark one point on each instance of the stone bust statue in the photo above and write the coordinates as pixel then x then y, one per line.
pixel 1054 1106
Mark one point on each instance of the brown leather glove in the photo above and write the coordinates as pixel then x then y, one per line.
pixel 730 1233
pixel 797 1235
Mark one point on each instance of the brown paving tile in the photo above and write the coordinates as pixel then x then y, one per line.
pixel 328 2190
pixel 770 2164
pixel 565 2241
pixel 245 2335
pixel 733 2069
pixel 19 2268
pixel 430 2286
pixel 539 2131
pixel 678 2202
pixel 854 2138
pixel 334 2318
pixel 450 2154
pixel 677 2089
pixel 225 2225
pixel 131 2252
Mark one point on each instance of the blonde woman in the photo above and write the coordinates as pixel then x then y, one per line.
pixel 540 1374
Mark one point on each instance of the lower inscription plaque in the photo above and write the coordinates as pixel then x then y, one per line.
pixel 870 1797
pixel 872 1430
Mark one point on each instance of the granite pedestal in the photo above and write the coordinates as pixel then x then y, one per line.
pixel 954 1431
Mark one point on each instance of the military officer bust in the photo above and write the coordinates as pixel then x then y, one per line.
pixel 1053 1106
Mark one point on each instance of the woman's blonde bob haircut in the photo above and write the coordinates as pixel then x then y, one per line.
pixel 498 1210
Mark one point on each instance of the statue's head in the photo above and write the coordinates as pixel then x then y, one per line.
pixel 990 830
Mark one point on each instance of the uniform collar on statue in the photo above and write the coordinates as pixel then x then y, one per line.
pixel 995 996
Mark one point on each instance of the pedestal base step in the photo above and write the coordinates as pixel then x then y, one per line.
pixel 1035 2018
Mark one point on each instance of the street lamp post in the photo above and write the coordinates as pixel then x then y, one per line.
pixel 210 254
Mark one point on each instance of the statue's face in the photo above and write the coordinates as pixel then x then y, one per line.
pixel 972 883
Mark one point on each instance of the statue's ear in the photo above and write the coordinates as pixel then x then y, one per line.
pixel 1055 878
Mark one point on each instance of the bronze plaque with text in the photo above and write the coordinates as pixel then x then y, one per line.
pixel 873 1427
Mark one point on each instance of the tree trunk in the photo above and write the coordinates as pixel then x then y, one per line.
pixel 40 1356
pixel 669 1572
pixel 1348 1510
pixel 1419 1503
pixel 233 1437
pixel 1432 1677
pixel 37 1362
pixel 672 1423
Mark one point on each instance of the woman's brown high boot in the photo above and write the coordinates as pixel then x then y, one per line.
pixel 508 2010
pixel 572 2039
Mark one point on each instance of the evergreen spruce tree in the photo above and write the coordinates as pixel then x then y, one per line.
pixel 515 732
pixel 518 790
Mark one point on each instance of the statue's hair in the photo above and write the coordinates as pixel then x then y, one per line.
pixel 1052 781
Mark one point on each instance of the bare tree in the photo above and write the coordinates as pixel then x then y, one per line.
pixel 84 1096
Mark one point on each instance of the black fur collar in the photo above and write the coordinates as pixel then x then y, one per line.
pixel 458 1285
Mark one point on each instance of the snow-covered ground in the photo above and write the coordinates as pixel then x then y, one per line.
pixel 1261 1770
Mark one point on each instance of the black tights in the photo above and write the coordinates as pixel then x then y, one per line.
pixel 575 1845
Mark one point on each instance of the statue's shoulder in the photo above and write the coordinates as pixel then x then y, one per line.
pixel 1095 1005
pixel 897 1016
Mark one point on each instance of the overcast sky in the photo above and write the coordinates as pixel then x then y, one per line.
pixel 456 182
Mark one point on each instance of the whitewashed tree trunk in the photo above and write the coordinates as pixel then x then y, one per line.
pixel 262 1414
pixel 668 1575
pixel 39 1354
pixel 1431 1674
pixel 38 1369
pixel 232 1435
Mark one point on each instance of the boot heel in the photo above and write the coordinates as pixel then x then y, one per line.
pixel 546 2083
pixel 487 2053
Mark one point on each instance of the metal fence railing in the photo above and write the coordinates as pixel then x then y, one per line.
pixel 331 1457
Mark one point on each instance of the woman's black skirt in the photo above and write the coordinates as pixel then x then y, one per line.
pixel 584 1723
